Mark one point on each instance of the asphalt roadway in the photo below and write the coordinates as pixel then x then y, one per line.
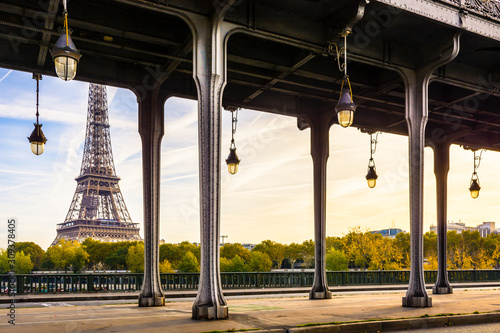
pixel 371 313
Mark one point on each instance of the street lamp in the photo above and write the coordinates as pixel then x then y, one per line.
pixel 371 175
pixel 65 54
pixel 37 138
pixel 232 160
pixel 474 187
pixel 345 107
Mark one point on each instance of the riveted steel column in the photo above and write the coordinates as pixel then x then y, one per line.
pixel 441 168
pixel 416 117
pixel 209 73
pixel 416 86
pixel 151 130
pixel 320 127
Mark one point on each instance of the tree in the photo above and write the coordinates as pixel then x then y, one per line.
pixel 117 259
pixel 293 252
pixel 402 244
pixel 225 264
pixel 274 250
pixel 336 260
pixel 67 255
pixel 238 264
pixel 135 258
pixel 98 252
pixel 307 252
pixel 359 247
pixel 260 262
pixel 33 250
pixel 166 267
pixel 175 252
pixel 189 263
pixel 22 262
pixel 230 250
pixel 4 262
pixel 335 242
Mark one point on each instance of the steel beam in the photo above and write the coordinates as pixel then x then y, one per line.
pixel 452 16
pixel 151 128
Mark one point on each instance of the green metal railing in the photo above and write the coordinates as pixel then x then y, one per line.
pixel 93 282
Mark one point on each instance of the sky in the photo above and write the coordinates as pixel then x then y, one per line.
pixel 271 196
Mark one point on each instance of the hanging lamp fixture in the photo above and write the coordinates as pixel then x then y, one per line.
pixel 37 138
pixel 371 175
pixel 345 107
pixel 65 54
pixel 474 187
pixel 232 160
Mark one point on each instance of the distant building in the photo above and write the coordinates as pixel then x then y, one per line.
pixel 484 229
pixel 248 246
pixel 459 227
pixel 391 232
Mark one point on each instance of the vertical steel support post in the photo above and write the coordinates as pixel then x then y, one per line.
pixel 416 118
pixel 441 168
pixel 416 87
pixel 209 72
pixel 320 127
pixel 151 129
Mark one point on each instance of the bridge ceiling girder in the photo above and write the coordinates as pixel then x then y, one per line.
pixel 279 60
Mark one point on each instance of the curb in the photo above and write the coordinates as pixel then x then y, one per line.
pixel 391 325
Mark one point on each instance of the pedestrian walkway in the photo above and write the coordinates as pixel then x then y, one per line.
pixel 68 297
pixel 263 313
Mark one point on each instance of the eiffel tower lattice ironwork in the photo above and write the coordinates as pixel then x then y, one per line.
pixel 98 210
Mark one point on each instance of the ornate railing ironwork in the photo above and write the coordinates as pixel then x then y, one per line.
pixel 488 8
pixel 116 282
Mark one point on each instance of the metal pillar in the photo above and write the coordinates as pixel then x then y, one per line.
pixel 416 86
pixel 441 168
pixel 320 127
pixel 151 130
pixel 210 77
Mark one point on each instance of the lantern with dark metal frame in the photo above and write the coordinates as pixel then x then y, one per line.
pixel 232 160
pixel 371 176
pixel 65 54
pixel 474 187
pixel 345 107
pixel 37 138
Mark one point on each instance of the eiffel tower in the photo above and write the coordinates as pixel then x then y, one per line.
pixel 98 210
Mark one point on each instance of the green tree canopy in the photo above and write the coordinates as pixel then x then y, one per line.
pixel 189 263
pixel 230 250
pixel 260 262
pixel 22 262
pixel 293 252
pixel 66 255
pixel 166 267
pixel 135 258
pixel 274 250
pixel 174 253
pixel 307 252
pixel 34 251
pixel 336 260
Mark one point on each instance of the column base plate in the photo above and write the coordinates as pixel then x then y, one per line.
pixel 320 294
pixel 151 301
pixel 210 312
pixel 417 302
pixel 442 290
